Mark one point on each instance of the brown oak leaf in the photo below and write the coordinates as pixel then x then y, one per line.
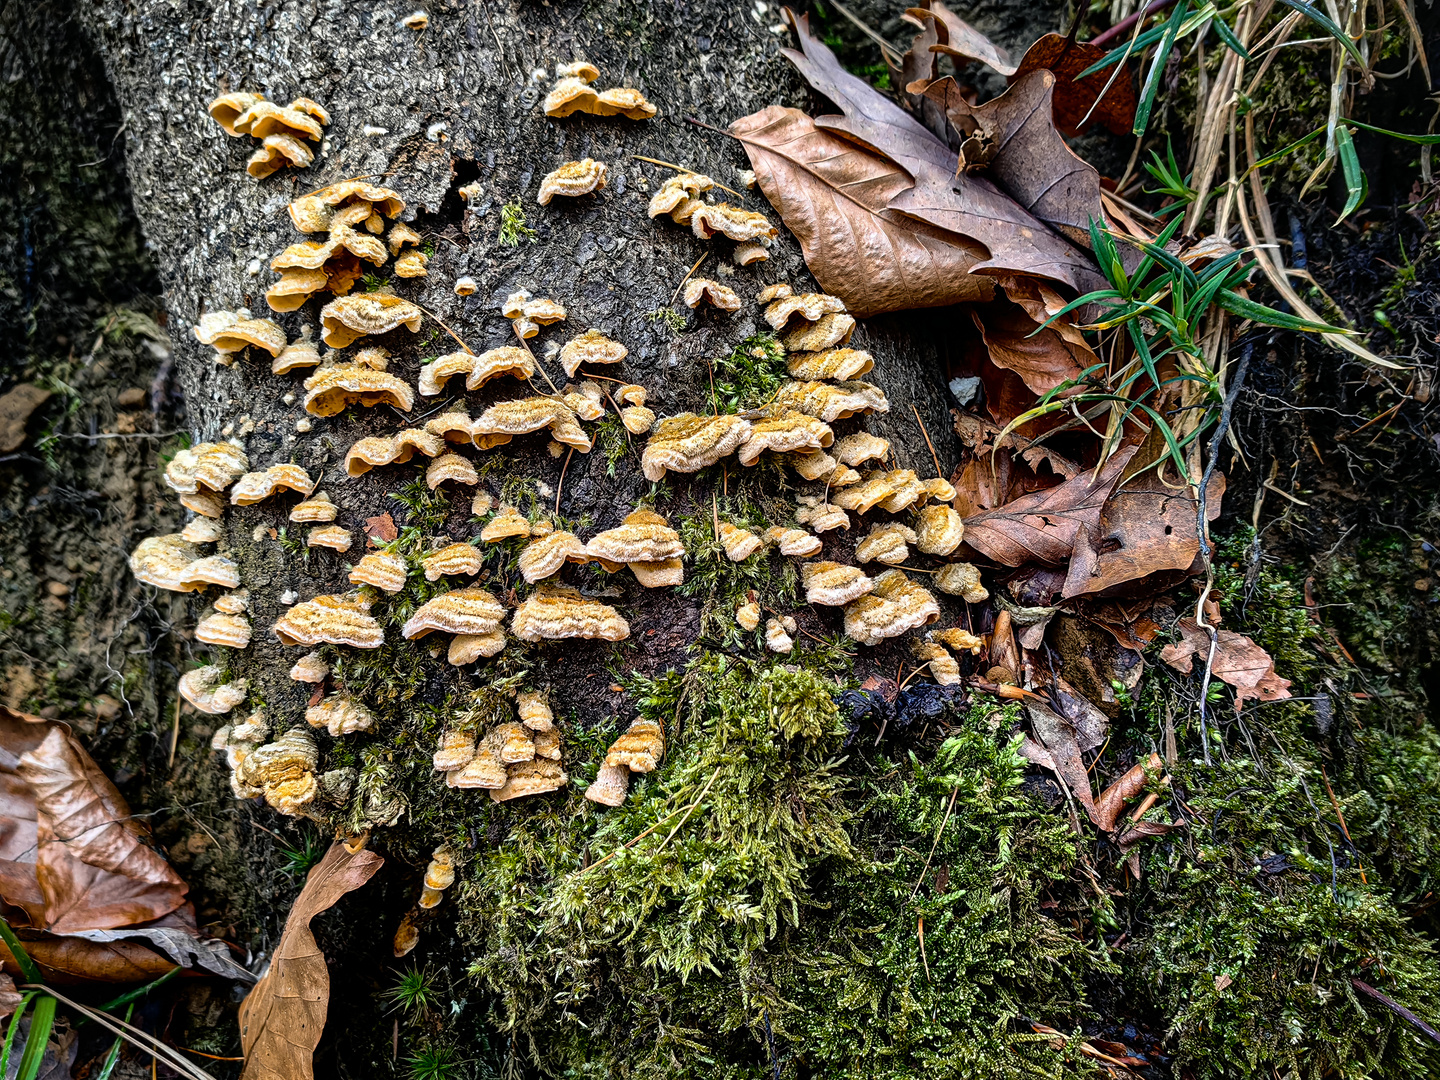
pixel 1238 661
pixel 1075 98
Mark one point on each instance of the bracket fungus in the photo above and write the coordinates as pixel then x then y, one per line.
pixel 704 290
pixel 834 584
pixel 465 285
pixel 737 223
pixel 777 638
pixel 739 543
pixel 170 562
pixel 886 543
pixel 591 347
pixel 841 364
pixel 747 615
pixel 282 129
pixel 962 579
pixel 894 491
pixel 478 370
pixel 572 179
pixel 504 420
pixel 255 487
pixel 832 401
pixel 611 785
pixel 783 430
pixel 233 603
pixel 393 449
pixel 506 523
pixel 940 529
pixel 586 401
pixel 227 108
pixel 643 537
pixel 958 640
pixel 202 530
pixel 751 251
pixel 687 443
pixel 230 332
pixel 894 606
pixel 821 516
pixel 206 467
pixel 334 537
pixel 534 711
pixel 218 628
pixel 453 468
pixel 330 620
pixel 537 777
pixel 944 668
pixel 907 490
pixel 452 426
pixel 317 507
pixel 452 560
pixel 340 714
pixel 778 291
pixel 527 315
pixel 810 307
pixel 640 748
pixel 331 389
pixel 573 93
pixel 815 465
pixel 939 489
pixel 456 750
pixel 545 557
pixel 825 333
pixel 860 447
pixel 383 569
pixel 795 542
pixel 637 419
pixel 282 771
pixel 310 668
pixel 467 648
pixel 317 211
pixel 439 876
pixel 349 318
pixel 471 612
pixel 202 688
pixel 555 612
pixel 678 196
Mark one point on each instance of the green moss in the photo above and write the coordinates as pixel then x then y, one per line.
pixel 513 229
pixel 669 316
pixel 751 375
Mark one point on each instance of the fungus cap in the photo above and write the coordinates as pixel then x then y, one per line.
pixel 297 120
pixel 170 562
pixel 906 490
pixel 834 584
pixel 315 212
pixel 644 537
pixel 776 639
pixel 453 426
pixel 456 750
pixel 958 639
pixel 807 306
pixel 677 191
pixel 886 543
pixel 234 603
pixel 227 108
pixel 687 443
pixel 611 785
pixel 451 467
pixel 578 69
pixel 466 286
pixel 632 394
pixel 860 447
pixel 202 688
pixel 962 579
pixel 747 616
pixel 254 487
pixel 276 151
pixel 231 631
pixel 298 354
pixel 349 318
pixel 640 748
pixel 637 419
pixel 316 508
pixel 506 523
pixel 534 711
pixel 823 516
pixel 512 743
pixel 750 252
pixel 504 420
pixel 940 530
pixel 497 363
pixel 385 450
pixel 943 667
pixel 830 364
pixel 784 430
pixel 206 466
pixel 453 559
pixel 739 543
pixel 895 605
pixel 826 333
pixel 310 668
pixel 471 610
pixel 545 557
pixel 572 179
pixel 331 389
pixel 467 648
pixel 778 291
pixel 591 347
pixel 289 294
pixel 554 612
pixel 202 530
pixel 335 537
pixel 792 541
pixel 698 290
pixel 658 573
pixel 623 101
pixel 939 489
pixel 231 331
pixel 332 620
pixel 484 770
pixel 340 714
pixel 731 221
pixel 530 778
pixel 832 401
pixel 412 264
pixel 815 465
pixel 383 569
pixel 570 95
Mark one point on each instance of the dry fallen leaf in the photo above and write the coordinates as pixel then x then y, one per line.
pixel 74 858
pixel 68 960
pixel 1238 661
pixel 1145 528
pixel 1043 359
pixel 967 206
pixel 282 1018
pixel 1041 527
pixel 1066 59
pixel 10 998
pixel 1113 799
pixel 958 38
pixel 381 527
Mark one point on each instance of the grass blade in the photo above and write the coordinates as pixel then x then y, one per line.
pixel 28 967
pixel 1149 37
pixel 1157 65
pixel 1355 186
pixel 42 1019
pixel 1228 37
pixel 1320 19
pixel 12 1032
pixel 1236 304
pixel 1423 140
pixel 113 1057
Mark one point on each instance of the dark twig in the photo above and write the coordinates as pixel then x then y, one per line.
pixel 1395 1007
pixel 1123 25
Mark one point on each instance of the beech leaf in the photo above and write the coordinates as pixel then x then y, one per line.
pixel 1041 527
pixel 1075 98
pixel 1238 661
pixel 283 1016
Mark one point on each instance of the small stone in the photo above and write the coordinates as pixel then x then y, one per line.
pixel 288 399
pixel 57 588
pixel 131 397
pixel 303 424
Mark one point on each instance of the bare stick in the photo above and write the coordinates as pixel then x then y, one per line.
pixel 933 456
pixel 1340 815
pixel 683 169
pixel 687 276
pixel 560 484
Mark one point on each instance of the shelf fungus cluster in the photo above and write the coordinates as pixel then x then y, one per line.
pixel 573 179
pixel 572 93
pixel 511 761
pixel 639 750
pixel 680 199
pixel 527 314
pixel 283 130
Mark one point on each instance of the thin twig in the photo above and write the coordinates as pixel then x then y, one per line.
pixel 938 833
pixel 933 456
pixel 1395 1007
pixel 560 484
pixel 684 169
pixel 174 736
pixel 447 329
pixel 1340 815
pixel 687 277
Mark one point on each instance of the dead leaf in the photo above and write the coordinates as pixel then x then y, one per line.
pixel 1145 528
pixel 1238 661
pixel 94 870
pixel 1043 360
pixel 68 960
pixel 10 998
pixel 971 207
pixel 180 945
pixel 959 39
pixel 283 1016
pixel 17 405
pixel 834 196
pixel 1041 527
pixel 381 528
pixel 1072 100
pixel 1058 737
pixel 1003 652
pixel 1136 831
pixel 1015 137
pixel 1113 799
pixel 71 856
pixel 920 64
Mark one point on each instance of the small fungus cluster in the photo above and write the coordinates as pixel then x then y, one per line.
pixel 283 130
pixel 572 93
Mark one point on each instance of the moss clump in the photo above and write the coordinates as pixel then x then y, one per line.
pixel 756 901
pixel 513 230
pixel 751 375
